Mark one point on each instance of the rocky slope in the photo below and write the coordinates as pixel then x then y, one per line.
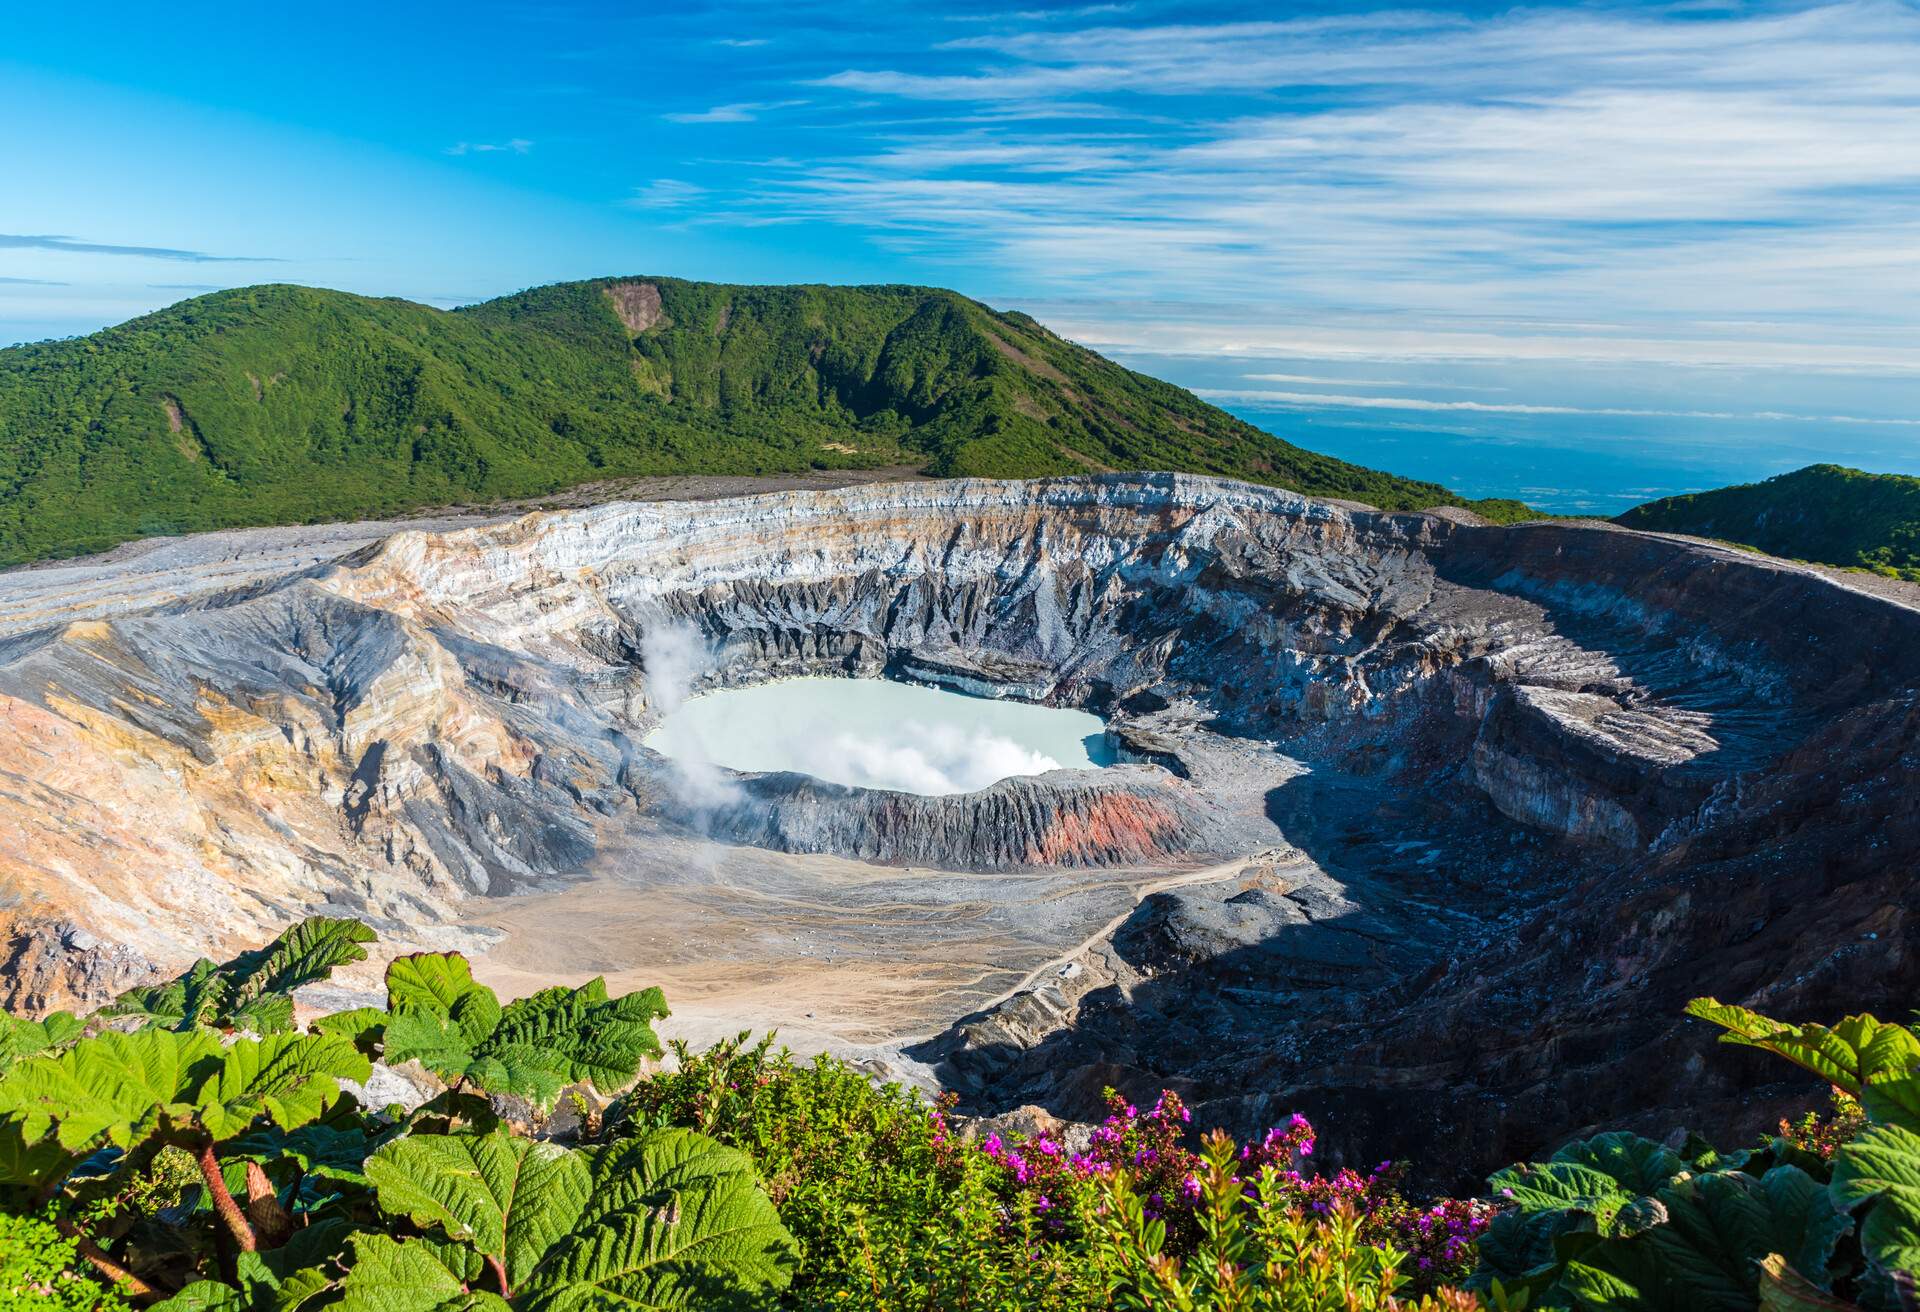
pixel 1545 781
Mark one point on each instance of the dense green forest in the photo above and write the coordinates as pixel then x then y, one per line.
pixel 284 404
pixel 1825 513
pixel 200 1146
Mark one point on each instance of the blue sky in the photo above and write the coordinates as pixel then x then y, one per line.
pixel 1674 244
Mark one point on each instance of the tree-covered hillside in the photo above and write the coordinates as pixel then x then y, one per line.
pixel 1825 513
pixel 283 404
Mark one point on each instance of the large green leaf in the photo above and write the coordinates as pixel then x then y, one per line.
pixel 20 1038
pixel 591 1036
pixel 206 1296
pixel 124 1087
pixel 289 1079
pixel 1865 1057
pixel 1720 1226
pixel 1578 1239
pixel 439 1017
pixel 254 991
pixel 1636 1165
pixel 1882 1167
pixel 676 1221
pixel 510 1198
pixel 415 1276
pixel 1562 1186
pixel 442 984
pixel 640 1172
pixel 112 1086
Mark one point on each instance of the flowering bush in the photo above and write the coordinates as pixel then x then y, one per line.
pixel 1822 1135
pixel 1060 1187
pixel 1256 1252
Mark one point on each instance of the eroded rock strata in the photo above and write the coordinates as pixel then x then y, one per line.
pixel 1545 781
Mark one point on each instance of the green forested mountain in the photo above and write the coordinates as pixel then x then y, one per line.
pixel 1826 513
pixel 284 404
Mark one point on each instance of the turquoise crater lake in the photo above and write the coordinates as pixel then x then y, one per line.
pixel 874 733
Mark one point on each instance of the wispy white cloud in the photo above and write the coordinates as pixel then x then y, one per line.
pixel 742 112
pixel 664 194
pixel 1321 400
pixel 516 146
pixel 1617 167
pixel 1338 381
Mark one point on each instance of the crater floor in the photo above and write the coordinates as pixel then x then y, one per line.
pixel 1423 827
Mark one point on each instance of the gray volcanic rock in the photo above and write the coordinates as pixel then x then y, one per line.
pixel 1065 818
pixel 1546 781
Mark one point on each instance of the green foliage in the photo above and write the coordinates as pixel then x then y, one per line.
pixel 1827 513
pixel 439 1016
pixel 283 404
pixel 254 991
pixel 1620 1222
pixel 670 1219
pixel 1268 1258
pixel 218 1174
pixel 20 1038
pixel 40 1273
pixel 1867 1059
pixel 890 1209
pixel 1882 1170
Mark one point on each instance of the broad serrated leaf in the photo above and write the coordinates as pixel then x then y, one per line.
pixel 510 1198
pixel 1636 1165
pixel 1804 1225
pixel 254 990
pixel 643 1171
pixel 1882 1168
pixel 336 1152
pixel 1721 1225
pixel 442 984
pixel 1893 1100
pixel 533 1048
pixel 206 1296
pixel 33 1162
pixel 1857 1052
pixel 21 1038
pixel 433 1040
pixel 111 1086
pixel 363 1027
pixel 391 1276
pixel 712 1241
pixel 289 1079
pixel 1553 1186
pixel 587 1035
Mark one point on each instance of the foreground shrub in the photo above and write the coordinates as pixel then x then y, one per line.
pixel 191 1148
pixel 207 1171
pixel 40 1270
pixel 1824 1216
pixel 1257 1251
pixel 890 1209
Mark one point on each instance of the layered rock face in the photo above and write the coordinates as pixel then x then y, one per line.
pixel 1615 736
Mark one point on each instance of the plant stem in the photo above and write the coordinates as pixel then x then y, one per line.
pixel 223 1202
pixel 106 1266
pixel 500 1274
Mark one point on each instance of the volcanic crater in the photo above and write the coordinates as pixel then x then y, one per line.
pixel 1425 827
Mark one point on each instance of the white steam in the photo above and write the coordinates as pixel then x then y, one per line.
pixel 912 757
pixel 675 657
pixel 874 733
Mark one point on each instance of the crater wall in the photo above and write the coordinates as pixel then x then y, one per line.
pixel 195 753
